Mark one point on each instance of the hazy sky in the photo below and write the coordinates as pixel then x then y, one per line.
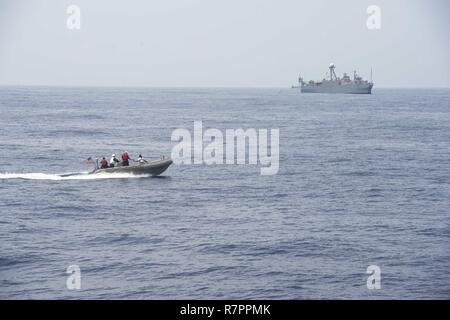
pixel 232 43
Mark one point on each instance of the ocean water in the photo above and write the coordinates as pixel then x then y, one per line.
pixel 363 180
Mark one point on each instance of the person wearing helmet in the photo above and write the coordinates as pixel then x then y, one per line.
pixel 113 161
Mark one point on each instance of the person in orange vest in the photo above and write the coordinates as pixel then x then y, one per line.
pixel 103 163
pixel 125 158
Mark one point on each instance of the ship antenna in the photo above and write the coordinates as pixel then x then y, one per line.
pixel 371 81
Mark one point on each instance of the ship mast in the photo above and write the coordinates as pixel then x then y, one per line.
pixel 332 72
pixel 300 80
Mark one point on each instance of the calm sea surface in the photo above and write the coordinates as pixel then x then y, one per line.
pixel 363 180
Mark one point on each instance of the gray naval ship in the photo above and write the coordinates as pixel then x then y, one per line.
pixel 337 85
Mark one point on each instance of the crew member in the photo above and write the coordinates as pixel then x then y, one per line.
pixel 140 159
pixel 103 163
pixel 125 158
pixel 113 161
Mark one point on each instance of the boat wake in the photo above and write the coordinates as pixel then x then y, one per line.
pixel 69 176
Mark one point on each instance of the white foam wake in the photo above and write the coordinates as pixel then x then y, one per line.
pixel 68 176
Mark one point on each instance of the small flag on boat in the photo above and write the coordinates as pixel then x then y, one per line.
pixel 88 160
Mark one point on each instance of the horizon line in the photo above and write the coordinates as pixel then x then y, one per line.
pixel 197 87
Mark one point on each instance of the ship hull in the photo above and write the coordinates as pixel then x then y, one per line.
pixel 346 89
